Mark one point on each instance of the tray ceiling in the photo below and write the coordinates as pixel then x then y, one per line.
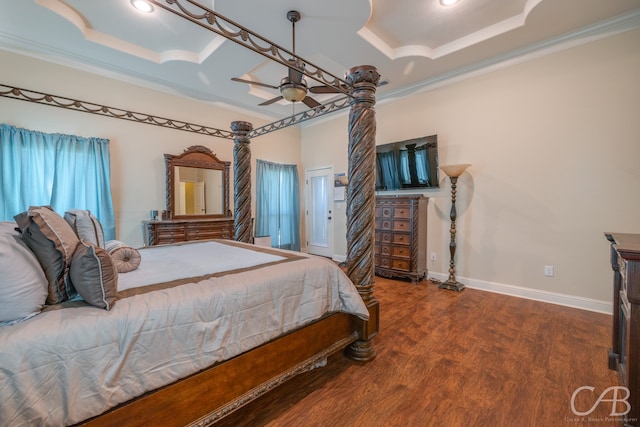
pixel 413 43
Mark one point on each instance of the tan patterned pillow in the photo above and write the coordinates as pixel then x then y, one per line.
pixel 53 242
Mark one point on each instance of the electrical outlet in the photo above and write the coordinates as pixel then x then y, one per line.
pixel 548 270
pixel 433 256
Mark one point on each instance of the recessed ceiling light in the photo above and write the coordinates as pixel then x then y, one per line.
pixel 448 2
pixel 142 6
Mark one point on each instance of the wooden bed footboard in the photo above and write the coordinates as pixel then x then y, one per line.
pixel 206 397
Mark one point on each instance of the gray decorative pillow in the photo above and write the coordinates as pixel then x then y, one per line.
pixel 53 242
pixel 94 275
pixel 125 257
pixel 86 226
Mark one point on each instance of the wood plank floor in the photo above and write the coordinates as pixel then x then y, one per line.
pixel 454 359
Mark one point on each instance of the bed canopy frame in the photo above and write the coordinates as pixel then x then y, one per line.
pixel 360 86
pixel 360 83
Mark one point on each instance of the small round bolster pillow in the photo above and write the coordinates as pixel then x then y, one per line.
pixel 125 257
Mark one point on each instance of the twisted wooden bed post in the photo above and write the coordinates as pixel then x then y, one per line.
pixel 242 181
pixel 361 202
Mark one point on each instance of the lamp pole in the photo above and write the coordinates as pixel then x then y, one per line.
pixel 453 171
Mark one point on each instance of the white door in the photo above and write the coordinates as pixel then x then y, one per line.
pixel 319 211
pixel 198 198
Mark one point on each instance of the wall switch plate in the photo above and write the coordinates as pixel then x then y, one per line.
pixel 433 256
pixel 548 270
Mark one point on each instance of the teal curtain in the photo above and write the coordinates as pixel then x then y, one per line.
pixel 421 162
pixel 422 166
pixel 63 171
pixel 387 177
pixel 278 204
pixel 405 172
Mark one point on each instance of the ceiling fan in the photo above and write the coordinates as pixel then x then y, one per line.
pixel 293 87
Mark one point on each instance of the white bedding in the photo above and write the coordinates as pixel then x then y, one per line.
pixel 68 364
pixel 196 259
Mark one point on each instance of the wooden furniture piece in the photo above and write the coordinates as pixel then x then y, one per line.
pixel 197 199
pixel 401 236
pixel 624 355
pixel 183 230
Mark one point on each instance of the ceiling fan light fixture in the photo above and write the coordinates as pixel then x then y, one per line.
pixel 293 92
pixel 448 2
pixel 142 6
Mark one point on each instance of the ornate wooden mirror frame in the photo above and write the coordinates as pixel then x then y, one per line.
pixel 195 163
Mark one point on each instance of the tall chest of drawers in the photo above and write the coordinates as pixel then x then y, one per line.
pixel 183 230
pixel 401 236
pixel 624 355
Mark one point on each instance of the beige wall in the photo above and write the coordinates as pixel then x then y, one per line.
pixel 137 162
pixel 555 148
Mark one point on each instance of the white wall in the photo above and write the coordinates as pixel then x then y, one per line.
pixel 554 144
pixel 137 150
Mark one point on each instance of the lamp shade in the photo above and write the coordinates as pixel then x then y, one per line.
pixel 455 170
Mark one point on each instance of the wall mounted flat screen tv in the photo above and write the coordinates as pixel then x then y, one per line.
pixel 407 164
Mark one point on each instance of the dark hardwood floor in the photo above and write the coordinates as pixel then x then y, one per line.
pixel 455 359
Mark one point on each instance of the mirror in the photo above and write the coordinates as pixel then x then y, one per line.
pixel 197 184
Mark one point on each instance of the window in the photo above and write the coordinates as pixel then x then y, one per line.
pixel 278 204
pixel 63 171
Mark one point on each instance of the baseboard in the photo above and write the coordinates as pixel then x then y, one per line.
pixel 533 294
pixel 589 304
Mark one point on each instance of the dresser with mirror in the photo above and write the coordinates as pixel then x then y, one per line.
pixel 197 199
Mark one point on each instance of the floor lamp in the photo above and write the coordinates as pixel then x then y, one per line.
pixel 453 172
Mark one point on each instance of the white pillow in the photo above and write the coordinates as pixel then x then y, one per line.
pixel 23 285
pixel 8 227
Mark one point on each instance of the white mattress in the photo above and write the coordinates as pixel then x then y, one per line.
pixel 75 361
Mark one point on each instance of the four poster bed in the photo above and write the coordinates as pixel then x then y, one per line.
pixel 50 374
pixel 163 362
pixel 197 330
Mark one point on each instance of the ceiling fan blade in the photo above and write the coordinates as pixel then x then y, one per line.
pixel 310 102
pixel 325 89
pixel 236 79
pixel 271 101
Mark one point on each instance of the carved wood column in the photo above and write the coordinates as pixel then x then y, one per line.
pixel 242 181
pixel 361 202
